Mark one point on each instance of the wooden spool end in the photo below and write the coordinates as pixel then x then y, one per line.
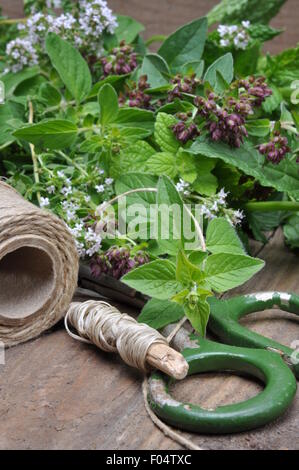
pixel 163 357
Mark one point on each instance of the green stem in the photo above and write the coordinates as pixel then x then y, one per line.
pixel 13 20
pixel 272 206
pixel 72 163
pixel 33 154
pixel 156 38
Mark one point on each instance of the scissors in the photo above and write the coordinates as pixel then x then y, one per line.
pixel 246 352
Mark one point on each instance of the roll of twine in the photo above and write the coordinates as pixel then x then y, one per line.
pixel 102 324
pixel 38 268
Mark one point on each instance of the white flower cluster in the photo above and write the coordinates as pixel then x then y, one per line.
pixel 21 53
pixel 83 28
pixel 216 206
pixel 182 187
pixel 95 18
pixel 234 35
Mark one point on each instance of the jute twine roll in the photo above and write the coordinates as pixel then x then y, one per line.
pixel 38 268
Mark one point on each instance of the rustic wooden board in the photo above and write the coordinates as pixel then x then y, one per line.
pixel 56 393
pixel 164 16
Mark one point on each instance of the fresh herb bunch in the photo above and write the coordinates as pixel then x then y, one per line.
pixel 90 113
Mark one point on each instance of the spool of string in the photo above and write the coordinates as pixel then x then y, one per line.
pixel 102 324
pixel 38 268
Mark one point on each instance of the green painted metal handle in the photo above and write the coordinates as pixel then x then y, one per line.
pixel 225 315
pixel 280 388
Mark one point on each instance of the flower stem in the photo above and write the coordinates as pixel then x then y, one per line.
pixel 72 163
pixel 271 206
pixel 102 207
pixel 156 38
pixel 33 154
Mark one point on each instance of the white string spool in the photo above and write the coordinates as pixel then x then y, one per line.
pixel 102 324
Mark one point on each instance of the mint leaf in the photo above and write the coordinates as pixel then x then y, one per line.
pixel 134 117
pixel 224 271
pixel 186 272
pixel 258 127
pixel 163 133
pixel 197 257
pixel 156 279
pixel 225 66
pixel 70 65
pixel 234 11
pixel 291 231
pixel 51 133
pixel 221 237
pixel 198 315
pixel 196 66
pixel 284 177
pixel 185 45
pixel 156 69
pixel 49 94
pixel 127 28
pixel 159 313
pixel 134 156
pixel 108 101
pixel 162 163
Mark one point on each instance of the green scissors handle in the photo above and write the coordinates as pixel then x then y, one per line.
pixel 203 355
pixel 225 316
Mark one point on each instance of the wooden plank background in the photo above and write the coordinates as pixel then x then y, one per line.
pixel 57 393
pixel 164 16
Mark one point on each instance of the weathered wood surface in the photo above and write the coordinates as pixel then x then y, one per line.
pixel 164 16
pixel 57 393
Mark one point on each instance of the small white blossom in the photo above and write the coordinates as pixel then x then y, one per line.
pixel 51 189
pixel 66 190
pixel 182 187
pixel 109 181
pixel 44 202
pixel 246 24
pixel 100 188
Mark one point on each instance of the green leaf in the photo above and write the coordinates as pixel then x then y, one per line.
pixel 156 279
pixel 162 163
pixel 174 221
pixel 134 117
pixel 282 69
pixel 115 80
pixel 156 69
pixel 272 102
pixel 70 65
pixel 159 313
pixel 134 156
pixel 234 11
pixel 186 272
pixel 185 45
pixel 196 66
pixel 291 231
pixel 164 135
pixel 258 127
pixel 197 257
pixel 221 237
pixel 198 315
pixel 13 80
pixel 51 133
pixel 263 33
pixel 224 271
pixel 127 28
pixel 224 65
pixel 50 94
pixel 283 177
pixel 108 102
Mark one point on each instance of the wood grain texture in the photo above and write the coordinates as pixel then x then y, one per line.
pixel 164 16
pixel 57 393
